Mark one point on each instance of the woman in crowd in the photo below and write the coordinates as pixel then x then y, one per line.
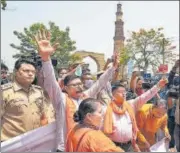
pixel 86 136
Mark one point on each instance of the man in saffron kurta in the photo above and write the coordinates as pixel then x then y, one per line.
pixel 150 118
pixel 65 105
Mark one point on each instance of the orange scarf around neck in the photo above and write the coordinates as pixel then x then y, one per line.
pixel 70 110
pixel 108 120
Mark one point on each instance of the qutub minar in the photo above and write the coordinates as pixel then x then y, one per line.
pixel 119 38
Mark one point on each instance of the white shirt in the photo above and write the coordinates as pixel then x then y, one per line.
pixel 122 123
pixel 122 128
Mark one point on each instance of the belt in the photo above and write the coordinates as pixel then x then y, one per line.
pixel 122 143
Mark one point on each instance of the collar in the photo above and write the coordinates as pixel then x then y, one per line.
pixel 17 87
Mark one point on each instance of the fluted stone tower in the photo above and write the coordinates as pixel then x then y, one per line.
pixel 119 38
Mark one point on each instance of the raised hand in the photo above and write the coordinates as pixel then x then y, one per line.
pixel 109 60
pixel 116 60
pixel 162 82
pixel 45 48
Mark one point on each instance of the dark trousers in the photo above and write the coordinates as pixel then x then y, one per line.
pixel 58 150
pixel 171 126
pixel 177 137
pixel 127 147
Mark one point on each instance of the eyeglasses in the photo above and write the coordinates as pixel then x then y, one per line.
pixel 62 73
pixel 3 72
pixel 75 85
pixel 123 92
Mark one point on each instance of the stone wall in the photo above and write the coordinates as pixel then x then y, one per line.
pixel 99 58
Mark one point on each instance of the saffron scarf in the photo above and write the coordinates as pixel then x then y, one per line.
pixel 108 120
pixel 70 110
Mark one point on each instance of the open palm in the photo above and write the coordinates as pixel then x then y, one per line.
pixel 45 48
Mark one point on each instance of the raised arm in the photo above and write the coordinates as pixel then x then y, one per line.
pixel 103 80
pixel 133 81
pixel 50 84
pixel 141 100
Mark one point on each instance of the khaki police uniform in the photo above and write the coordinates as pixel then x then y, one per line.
pixel 21 110
pixel 49 108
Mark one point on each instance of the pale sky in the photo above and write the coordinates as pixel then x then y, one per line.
pixel 91 22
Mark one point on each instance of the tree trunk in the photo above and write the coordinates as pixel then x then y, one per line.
pixel 146 66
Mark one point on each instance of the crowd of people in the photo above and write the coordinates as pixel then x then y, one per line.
pixel 102 115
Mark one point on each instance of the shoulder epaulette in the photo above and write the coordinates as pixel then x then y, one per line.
pixel 6 86
pixel 36 86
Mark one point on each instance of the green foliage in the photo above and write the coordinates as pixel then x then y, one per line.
pixel 124 57
pixel 63 54
pixel 146 47
pixel 3 4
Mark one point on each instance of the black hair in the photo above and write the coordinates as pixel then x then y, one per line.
pixel 160 102
pixel 62 68
pixel 138 79
pixel 98 75
pixel 69 78
pixel 86 73
pixel 21 61
pixel 3 66
pixel 88 105
pixel 116 86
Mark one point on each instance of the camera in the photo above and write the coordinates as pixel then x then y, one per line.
pixel 130 95
pixel 174 88
pixel 148 84
pixel 174 92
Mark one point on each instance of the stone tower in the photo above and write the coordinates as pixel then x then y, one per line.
pixel 119 38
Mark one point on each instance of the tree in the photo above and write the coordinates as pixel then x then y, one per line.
pixel 123 60
pixel 63 54
pixel 3 4
pixel 146 48
pixel 124 57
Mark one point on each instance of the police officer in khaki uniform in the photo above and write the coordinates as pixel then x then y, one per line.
pixel 24 106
